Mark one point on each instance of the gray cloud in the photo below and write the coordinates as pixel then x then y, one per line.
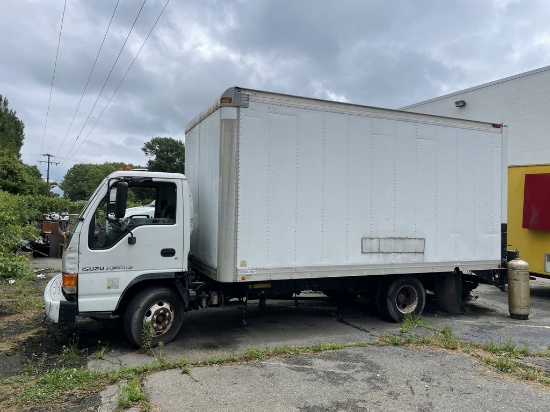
pixel 378 53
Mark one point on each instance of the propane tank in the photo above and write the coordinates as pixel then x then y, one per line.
pixel 519 294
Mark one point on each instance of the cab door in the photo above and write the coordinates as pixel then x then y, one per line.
pixel 147 242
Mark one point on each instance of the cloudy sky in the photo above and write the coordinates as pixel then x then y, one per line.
pixel 372 52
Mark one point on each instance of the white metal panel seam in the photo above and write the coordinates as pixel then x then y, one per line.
pixel 348 139
pixel 296 183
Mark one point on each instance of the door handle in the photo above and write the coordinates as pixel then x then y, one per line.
pixel 168 252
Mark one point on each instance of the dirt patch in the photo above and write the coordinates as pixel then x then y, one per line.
pixel 30 347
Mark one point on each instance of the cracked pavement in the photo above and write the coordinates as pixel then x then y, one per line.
pixel 355 379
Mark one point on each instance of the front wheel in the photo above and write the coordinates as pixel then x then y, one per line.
pixel 160 310
pixel 400 297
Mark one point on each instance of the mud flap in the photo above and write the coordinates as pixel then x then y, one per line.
pixel 448 292
pixel 67 312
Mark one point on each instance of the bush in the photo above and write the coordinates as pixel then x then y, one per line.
pixel 16 215
pixel 15 219
pixel 13 266
pixel 45 204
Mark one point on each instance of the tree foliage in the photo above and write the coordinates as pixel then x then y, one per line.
pixel 166 155
pixel 19 178
pixel 15 176
pixel 14 219
pixel 81 180
pixel 15 225
pixel 11 128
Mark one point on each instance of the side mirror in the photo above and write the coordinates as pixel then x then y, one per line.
pixel 121 198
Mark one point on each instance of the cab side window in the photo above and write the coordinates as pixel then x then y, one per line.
pixel 149 203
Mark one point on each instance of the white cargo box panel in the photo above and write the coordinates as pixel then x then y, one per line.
pixel 287 187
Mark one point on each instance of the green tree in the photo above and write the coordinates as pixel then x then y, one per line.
pixel 14 226
pixel 19 178
pixel 166 155
pixel 81 180
pixel 11 128
pixel 15 176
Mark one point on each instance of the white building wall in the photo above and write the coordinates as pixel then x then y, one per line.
pixel 522 102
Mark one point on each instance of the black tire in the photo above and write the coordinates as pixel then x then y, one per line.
pixel 163 307
pixel 380 298
pixel 400 297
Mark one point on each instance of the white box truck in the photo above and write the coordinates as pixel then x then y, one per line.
pixel 284 194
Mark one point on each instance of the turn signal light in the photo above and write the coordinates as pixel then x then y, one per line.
pixel 69 282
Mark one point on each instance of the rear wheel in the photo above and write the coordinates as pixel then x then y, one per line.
pixel 400 297
pixel 161 308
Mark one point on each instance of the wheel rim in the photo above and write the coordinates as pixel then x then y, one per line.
pixel 160 316
pixel 406 299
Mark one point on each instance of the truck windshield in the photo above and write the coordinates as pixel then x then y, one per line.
pixel 82 214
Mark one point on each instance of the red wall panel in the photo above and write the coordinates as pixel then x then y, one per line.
pixel 536 202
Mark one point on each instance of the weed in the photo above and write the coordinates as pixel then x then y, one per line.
pixel 412 320
pixel 70 353
pixel 216 360
pixel 507 349
pixel 465 309
pixel 159 353
pixel 101 350
pixel 467 348
pixel 61 380
pixel 35 364
pixel 285 350
pixel 448 339
pixel 255 353
pixel 146 337
pixel 396 341
pixel 327 346
pixel 490 346
pixel 183 365
pixel 24 294
pixel 532 374
pixel 505 365
pixel 426 340
pixel 131 394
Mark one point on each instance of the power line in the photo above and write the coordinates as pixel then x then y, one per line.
pixel 53 77
pixel 124 77
pixel 108 77
pixel 89 77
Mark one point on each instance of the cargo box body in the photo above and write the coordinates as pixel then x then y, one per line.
pixel 286 187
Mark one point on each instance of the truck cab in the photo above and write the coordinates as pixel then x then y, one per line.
pixel 111 255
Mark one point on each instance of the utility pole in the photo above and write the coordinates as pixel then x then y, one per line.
pixel 49 162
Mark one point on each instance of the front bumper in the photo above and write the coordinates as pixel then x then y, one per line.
pixel 58 309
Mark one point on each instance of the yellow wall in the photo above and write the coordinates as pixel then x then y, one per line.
pixel 531 244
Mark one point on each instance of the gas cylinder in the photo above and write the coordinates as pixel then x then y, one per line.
pixel 519 294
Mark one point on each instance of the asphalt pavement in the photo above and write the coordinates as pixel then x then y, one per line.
pixel 369 378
